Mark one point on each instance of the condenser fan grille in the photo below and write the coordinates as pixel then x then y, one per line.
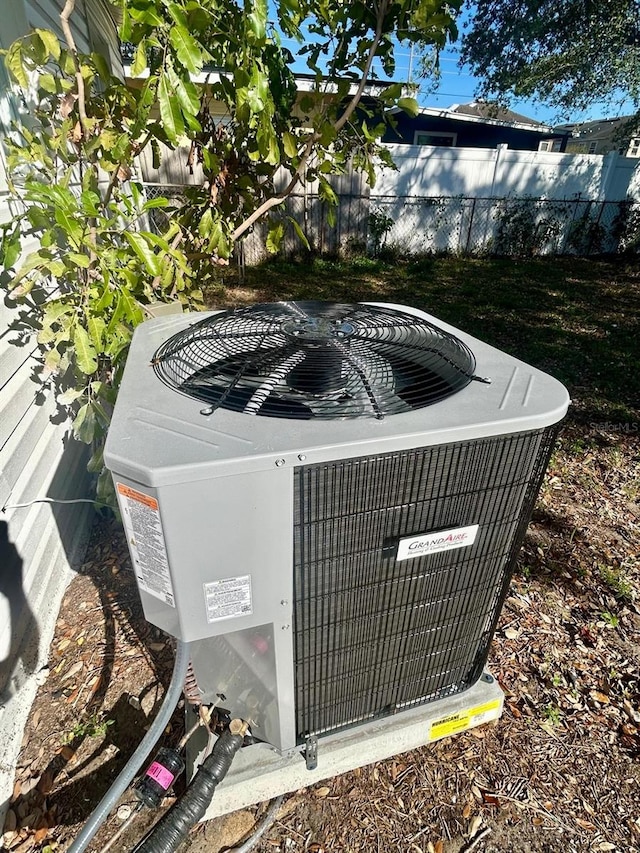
pixel 315 360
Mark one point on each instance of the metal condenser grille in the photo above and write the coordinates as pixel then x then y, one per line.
pixel 373 634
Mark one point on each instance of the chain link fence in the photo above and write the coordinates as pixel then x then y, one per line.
pixel 411 226
pixel 507 226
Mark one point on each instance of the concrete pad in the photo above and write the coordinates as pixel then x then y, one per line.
pixel 260 773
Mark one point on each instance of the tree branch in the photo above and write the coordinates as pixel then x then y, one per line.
pixel 346 115
pixel 277 199
pixel 66 13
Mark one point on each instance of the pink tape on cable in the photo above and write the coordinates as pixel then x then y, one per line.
pixel 161 775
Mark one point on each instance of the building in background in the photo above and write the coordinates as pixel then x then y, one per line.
pixel 604 135
pixel 476 125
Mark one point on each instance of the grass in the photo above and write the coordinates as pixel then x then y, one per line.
pixel 93 726
pixel 575 318
pixel 613 578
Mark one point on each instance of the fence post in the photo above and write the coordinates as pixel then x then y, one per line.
pixel 609 165
pixel 473 210
pixel 500 149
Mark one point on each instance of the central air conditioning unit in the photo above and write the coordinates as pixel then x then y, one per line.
pixel 329 500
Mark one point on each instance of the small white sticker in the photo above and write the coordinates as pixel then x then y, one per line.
pixel 432 543
pixel 228 598
pixel 142 524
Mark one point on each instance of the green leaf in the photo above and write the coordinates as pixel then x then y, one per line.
pixel 274 238
pixel 326 191
pixel 105 299
pixel 410 106
pixel 84 424
pixel 144 251
pixel 47 82
pixel 15 65
pixel 186 48
pixel 96 463
pixel 73 229
pixel 56 267
pixel 113 322
pixel 47 335
pixel 172 121
pixel 218 241
pixel 96 327
pixel 301 235
pixel 155 154
pixel 130 308
pixel 257 20
pixel 267 142
pixel 156 202
pixel 206 223
pixel 86 356
pixel 33 261
pixel 70 396
pixel 54 311
pixel 140 59
pixel 50 42
pixel 90 202
pixel 188 98
pixel 52 360
pixel 79 259
pixel 105 391
pixel 289 143
pixel 10 249
pixel 101 67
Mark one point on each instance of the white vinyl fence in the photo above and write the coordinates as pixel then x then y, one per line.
pixel 426 171
pixel 475 200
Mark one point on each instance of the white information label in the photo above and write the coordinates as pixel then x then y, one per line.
pixel 141 519
pixel 228 598
pixel 432 543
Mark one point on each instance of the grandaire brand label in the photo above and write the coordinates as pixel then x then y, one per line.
pixel 432 543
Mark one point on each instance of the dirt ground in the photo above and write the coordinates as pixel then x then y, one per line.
pixel 559 773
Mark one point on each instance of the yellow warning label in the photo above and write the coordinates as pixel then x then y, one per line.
pixel 462 720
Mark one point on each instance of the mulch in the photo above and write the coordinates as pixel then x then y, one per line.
pixel 558 772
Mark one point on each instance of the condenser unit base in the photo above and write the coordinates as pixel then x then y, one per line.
pixel 259 773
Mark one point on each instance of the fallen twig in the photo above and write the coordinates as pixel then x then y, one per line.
pixel 473 843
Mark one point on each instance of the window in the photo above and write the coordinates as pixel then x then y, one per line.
pixel 550 145
pixel 634 147
pixel 593 147
pixel 422 137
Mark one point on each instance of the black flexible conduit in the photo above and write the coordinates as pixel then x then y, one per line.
pixel 172 829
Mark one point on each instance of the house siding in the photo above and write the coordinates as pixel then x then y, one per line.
pixel 40 544
pixel 468 134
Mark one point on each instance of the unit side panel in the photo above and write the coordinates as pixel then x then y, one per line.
pixel 142 521
pixel 228 542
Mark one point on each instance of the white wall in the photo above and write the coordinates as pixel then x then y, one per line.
pixel 501 172
pixel 37 458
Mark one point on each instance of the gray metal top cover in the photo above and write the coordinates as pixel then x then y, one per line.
pixel 158 436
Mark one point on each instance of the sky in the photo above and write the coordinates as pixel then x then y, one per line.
pixel 458 86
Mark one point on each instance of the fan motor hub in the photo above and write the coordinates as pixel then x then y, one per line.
pixel 316 330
